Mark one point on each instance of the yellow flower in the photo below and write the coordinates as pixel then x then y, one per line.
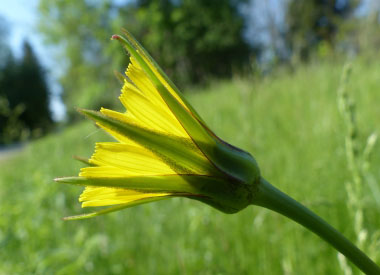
pixel 163 149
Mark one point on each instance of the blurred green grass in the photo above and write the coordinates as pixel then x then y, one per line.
pixel 289 122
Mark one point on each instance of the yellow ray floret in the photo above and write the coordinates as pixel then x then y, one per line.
pixel 143 101
pixel 145 107
pixel 113 159
pixel 103 196
pixel 148 114
pixel 158 72
pixel 146 110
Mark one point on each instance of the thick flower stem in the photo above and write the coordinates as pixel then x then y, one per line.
pixel 270 197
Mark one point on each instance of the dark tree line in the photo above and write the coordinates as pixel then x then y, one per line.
pixel 313 22
pixel 24 97
pixel 193 39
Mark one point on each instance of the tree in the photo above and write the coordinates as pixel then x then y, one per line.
pixel 32 91
pixel 311 22
pixel 192 40
pixel 80 33
pixel 25 96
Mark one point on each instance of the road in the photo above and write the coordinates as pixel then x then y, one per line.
pixel 7 152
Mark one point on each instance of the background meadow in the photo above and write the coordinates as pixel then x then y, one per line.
pixel 266 76
pixel 290 122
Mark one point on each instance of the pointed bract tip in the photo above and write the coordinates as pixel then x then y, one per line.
pixel 70 180
pixel 119 76
pixel 83 160
pixel 70 218
pixel 79 110
pixel 115 37
pixel 62 179
pixel 85 111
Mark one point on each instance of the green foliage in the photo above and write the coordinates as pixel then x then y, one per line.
pixel 81 32
pixel 359 162
pixel 363 35
pixel 291 124
pixel 25 94
pixel 191 40
pixel 313 22
pixel 33 92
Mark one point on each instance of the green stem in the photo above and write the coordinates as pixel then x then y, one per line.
pixel 270 197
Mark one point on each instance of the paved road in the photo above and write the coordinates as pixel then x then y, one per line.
pixel 8 151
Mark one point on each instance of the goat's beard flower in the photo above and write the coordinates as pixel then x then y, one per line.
pixel 163 149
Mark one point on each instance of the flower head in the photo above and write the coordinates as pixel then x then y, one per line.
pixel 163 149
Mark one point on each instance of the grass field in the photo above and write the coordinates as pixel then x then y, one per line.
pixel 289 122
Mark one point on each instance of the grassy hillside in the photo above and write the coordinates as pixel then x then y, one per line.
pixel 289 122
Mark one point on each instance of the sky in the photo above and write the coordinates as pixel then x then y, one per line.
pixel 21 17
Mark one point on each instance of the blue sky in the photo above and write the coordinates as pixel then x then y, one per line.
pixel 20 16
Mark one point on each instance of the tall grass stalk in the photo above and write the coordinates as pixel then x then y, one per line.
pixel 358 162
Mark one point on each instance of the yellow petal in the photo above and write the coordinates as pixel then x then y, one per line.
pixel 159 73
pixel 181 154
pixel 119 137
pixel 123 160
pixel 146 104
pixel 138 76
pixel 103 196
pixel 149 114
